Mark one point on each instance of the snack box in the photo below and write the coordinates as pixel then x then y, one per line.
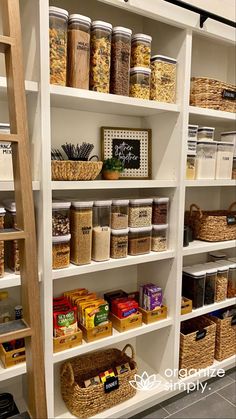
pixel 96 315
pixel 92 381
pixel 124 307
pixel 106 374
pixel 134 295
pixel 65 322
pixel 141 292
pixel 121 369
pixel 152 297
pixel 109 296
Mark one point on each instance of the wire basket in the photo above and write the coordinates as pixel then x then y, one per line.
pixel 75 170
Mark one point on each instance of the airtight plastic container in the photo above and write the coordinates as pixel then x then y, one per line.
pixel 224 160
pixel 206 133
pixel 160 213
pixel 119 214
pixel 139 241
pixel 191 167
pixel 58 22
pixel 120 60
pixel 140 212
pixel 231 264
pixel 61 251
pixel 159 238
pixel 221 283
pixel 119 243
pixel 229 136
pixel 193 285
pixel 206 159
pixel 210 284
pixel 101 230
pixel 81 232
pixel 60 218
pixel 141 50
pixel 192 132
pixel 163 79
pixel 100 56
pixel 12 255
pixel 140 82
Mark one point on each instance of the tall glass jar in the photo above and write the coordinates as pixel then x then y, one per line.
pixel 58 21
pixel 119 214
pixel 100 56
pixel 140 82
pixel 101 230
pixel 81 232
pixel 78 57
pixel 141 50
pixel 120 60
pixel 163 79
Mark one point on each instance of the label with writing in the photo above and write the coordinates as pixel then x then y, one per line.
pixel 229 94
pixel 111 384
pixel 233 321
pixel 200 334
pixel 127 151
pixel 231 219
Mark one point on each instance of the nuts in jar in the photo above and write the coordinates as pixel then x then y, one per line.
pixel 140 82
pixel 60 218
pixel 163 79
pixel 120 60
pixel 119 214
pixel 58 19
pixel 160 210
pixel 141 50
pixel 159 238
pixel 119 243
pixel 140 212
pixel 139 241
pixel 100 56
pixel 61 252
pixel 81 232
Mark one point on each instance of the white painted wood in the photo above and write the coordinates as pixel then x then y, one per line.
pixel 9 185
pixel 198 246
pixel 208 309
pixel 111 184
pixel 211 115
pixel 6 373
pixel 9 280
pixel 208 182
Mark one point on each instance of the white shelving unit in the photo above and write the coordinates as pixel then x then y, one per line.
pixel 58 114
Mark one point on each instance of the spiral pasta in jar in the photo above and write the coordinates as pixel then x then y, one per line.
pixel 140 82
pixel 100 56
pixel 163 79
pixel 58 21
pixel 141 50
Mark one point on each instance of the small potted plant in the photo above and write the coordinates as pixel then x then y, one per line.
pixel 112 168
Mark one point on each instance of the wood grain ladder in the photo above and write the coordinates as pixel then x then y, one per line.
pixel 30 326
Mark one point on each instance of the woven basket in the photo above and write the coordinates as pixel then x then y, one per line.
pixel 209 93
pixel 75 170
pixel 211 226
pixel 85 402
pixel 197 343
pixel 225 337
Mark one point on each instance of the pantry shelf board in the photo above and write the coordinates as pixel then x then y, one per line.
pixel 86 100
pixel 208 309
pixel 198 246
pixel 205 114
pixel 10 279
pixel 30 87
pixel 116 337
pixel 6 373
pixel 208 182
pixel 6 185
pixel 74 270
pixel 111 184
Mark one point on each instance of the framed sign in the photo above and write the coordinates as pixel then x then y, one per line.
pixel 132 146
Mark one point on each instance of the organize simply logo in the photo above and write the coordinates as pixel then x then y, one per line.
pixel 145 382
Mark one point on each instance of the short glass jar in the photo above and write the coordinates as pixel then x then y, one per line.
pixel 60 218
pixel 119 214
pixel 120 60
pixel 100 56
pixel 119 243
pixel 61 252
pixel 78 57
pixel 159 238
pixel 139 241
pixel 58 22
pixel 140 82
pixel 101 230
pixel 141 50
pixel 163 79
pixel 160 212
pixel 81 232
pixel 140 212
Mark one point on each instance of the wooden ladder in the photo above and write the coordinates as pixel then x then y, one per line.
pixel 30 326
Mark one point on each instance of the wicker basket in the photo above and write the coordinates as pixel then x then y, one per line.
pixel 86 402
pixel 75 170
pixel 211 226
pixel 197 343
pixel 225 337
pixel 212 94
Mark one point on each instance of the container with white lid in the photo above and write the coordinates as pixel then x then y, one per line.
pixel 160 212
pixel 139 241
pixel 61 251
pixel 231 291
pixel 206 159
pixel 140 212
pixel 81 232
pixel 192 132
pixel 140 82
pixel 192 148
pixel 58 22
pixel 206 133
pixel 120 60
pixel 224 160
pixel 163 79
pixel 193 285
pixel 60 218
pixel 141 50
pixel 119 214
pixel 159 238
pixel 119 243
pixel 100 56
pixel 229 136
pixel 101 230
pixel 221 282
pixel 6 171
pixel 210 284
pixel 216 256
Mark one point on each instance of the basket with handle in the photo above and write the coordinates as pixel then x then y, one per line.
pixel 212 226
pixel 85 402
pixel 75 170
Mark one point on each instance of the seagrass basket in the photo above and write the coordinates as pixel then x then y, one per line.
pixel 197 343
pixel 212 94
pixel 75 170
pixel 212 226
pixel 225 337
pixel 85 402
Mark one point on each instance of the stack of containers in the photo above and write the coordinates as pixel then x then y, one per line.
pixel 81 224
pixel 191 152
pixel 140 72
pixel 101 230
pixel 60 234
pixel 119 228
pixel 163 79
pixel 140 223
pixel 2 215
pixel 206 153
pixel 160 217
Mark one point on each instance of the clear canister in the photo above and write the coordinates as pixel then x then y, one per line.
pixel 101 230
pixel 81 232
pixel 119 243
pixel 119 214
pixel 140 212
pixel 58 22
pixel 78 57
pixel 234 168
pixel 231 265
pixel 120 60
pixel 139 241
pixel 193 285
pixel 224 160
pixel 61 252
pixel 221 283
pixel 160 212
pixel 210 284
pixel 2 215
pixel 163 79
pixel 206 133
pixel 140 82
pixel 216 256
pixel 12 254
pixel 191 167
pixel 192 132
pixel 60 218
pixel 159 238
pixel 100 56
pixel 206 160
pixel 141 50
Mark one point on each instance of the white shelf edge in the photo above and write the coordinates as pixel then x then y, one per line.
pixel 111 264
pixel 116 337
pixel 208 309
pixel 198 246
pixel 208 182
pixel 111 184
pixel 30 86
pixel 212 113
pixel 6 185
pixel 6 373
pixel 10 279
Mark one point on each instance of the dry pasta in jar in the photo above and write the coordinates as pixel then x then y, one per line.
pixel 81 232
pixel 140 82
pixel 100 56
pixel 141 50
pixel 163 79
pixel 61 252
pixel 58 21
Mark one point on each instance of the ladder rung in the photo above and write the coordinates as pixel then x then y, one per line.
pixel 5 42
pixel 16 329
pixel 8 138
pixel 11 234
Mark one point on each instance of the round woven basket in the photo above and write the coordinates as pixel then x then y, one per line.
pixel 75 170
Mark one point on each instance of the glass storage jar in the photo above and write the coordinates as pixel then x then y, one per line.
pixel 139 241
pixel 163 79
pixel 60 218
pixel 78 57
pixel 61 252
pixel 159 237
pixel 206 160
pixel 119 214
pixel 224 160
pixel 120 60
pixel 234 168
pixel 141 50
pixel 190 167
pixel 119 243
pixel 231 265
pixel 58 22
pixel 210 284
pixel 140 212
pixel 160 212
pixel 81 232
pixel 140 82
pixel 221 283
pixel 206 133
pixel 2 215
pixel 101 230
pixel 12 255
pixel 100 56
pixel 193 285
pixel 192 132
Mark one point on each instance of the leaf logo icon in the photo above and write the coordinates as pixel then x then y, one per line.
pixel 145 382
